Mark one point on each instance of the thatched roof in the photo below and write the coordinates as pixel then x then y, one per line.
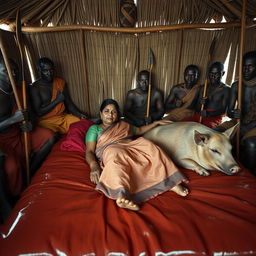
pixel 106 12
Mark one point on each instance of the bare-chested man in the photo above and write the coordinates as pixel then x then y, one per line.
pixel 11 137
pixel 247 113
pixel 217 97
pixel 51 100
pixel 135 107
pixel 181 101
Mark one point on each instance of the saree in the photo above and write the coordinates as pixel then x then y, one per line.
pixel 133 169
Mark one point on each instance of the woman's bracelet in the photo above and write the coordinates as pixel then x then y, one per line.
pixel 93 162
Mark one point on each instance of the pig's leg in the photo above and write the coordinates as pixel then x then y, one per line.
pixel 192 165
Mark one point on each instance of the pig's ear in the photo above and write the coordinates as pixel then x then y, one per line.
pixel 231 131
pixel 200 138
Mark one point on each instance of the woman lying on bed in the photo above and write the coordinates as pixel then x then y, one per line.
pixel 126 170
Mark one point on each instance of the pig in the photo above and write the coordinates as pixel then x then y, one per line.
pixel 196 147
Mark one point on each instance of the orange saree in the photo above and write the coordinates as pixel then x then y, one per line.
pixel 134 169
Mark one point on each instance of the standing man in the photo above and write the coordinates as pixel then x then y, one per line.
pixel 181 101
pixel 51 100
pixel 247 114
pixel 135 106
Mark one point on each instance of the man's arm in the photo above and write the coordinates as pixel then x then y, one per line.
pixel 247 127
pixel 128 105
pixel 40 108
pixel 170 103
pixel 71 107
pixel 18 116
pixel 158 109
pixel 232 112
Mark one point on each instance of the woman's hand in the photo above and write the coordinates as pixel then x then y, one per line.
pixel 143 129
pixel 95 173
pixel 163 122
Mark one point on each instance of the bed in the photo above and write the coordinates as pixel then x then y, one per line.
pixel 61 214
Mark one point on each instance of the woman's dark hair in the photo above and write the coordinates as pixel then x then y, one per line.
pixel 112 102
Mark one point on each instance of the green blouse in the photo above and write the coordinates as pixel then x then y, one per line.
pixel 95 130
pixel 92 133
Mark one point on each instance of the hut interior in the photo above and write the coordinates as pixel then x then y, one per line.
pixel 99 56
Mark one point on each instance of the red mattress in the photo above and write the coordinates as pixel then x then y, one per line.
pixel 60 213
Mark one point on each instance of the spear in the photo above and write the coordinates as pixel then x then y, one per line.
pixel 150 67
pixel 211 49
pixel 239 98
pixel 23 84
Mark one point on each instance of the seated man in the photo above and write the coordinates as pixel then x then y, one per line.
pixel 217 98
pixel 247 114
pixel 51 100
pixel 135 106
pixel 11 138
pixel 181 101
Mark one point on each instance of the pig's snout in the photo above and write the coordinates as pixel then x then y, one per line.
pixel 235 169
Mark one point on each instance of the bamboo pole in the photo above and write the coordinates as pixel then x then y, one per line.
pixel 130 30
pixel 24 92
pixel 240 74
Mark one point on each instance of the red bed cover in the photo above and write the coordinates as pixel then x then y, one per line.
pixel 61 214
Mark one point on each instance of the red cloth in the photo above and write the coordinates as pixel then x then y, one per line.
pixel 210 121
pixel 75 139
pixel 60 213
pixel 12 143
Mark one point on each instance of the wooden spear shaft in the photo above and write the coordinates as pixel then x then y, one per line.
pixel 149 94
pixel 240 74
pixel 9 71
pixel 24 93
pixel 206 76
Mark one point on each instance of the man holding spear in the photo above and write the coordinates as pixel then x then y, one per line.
pixel 12 139
pixel 144 104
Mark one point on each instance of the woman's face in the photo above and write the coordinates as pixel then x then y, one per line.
pixel 109 115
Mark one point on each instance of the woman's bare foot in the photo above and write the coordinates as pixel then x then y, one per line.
pixel 180 190
pixel 125 203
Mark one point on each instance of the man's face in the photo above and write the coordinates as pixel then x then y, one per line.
pixel 143 82
pixel 249 68
pixel 215 75
pixel 191 76
pixel 4 79
pixel 47 72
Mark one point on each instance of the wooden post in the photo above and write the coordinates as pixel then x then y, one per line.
pixel 240 73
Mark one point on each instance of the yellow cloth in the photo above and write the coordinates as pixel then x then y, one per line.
pixel 56 119
pixel 59 123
